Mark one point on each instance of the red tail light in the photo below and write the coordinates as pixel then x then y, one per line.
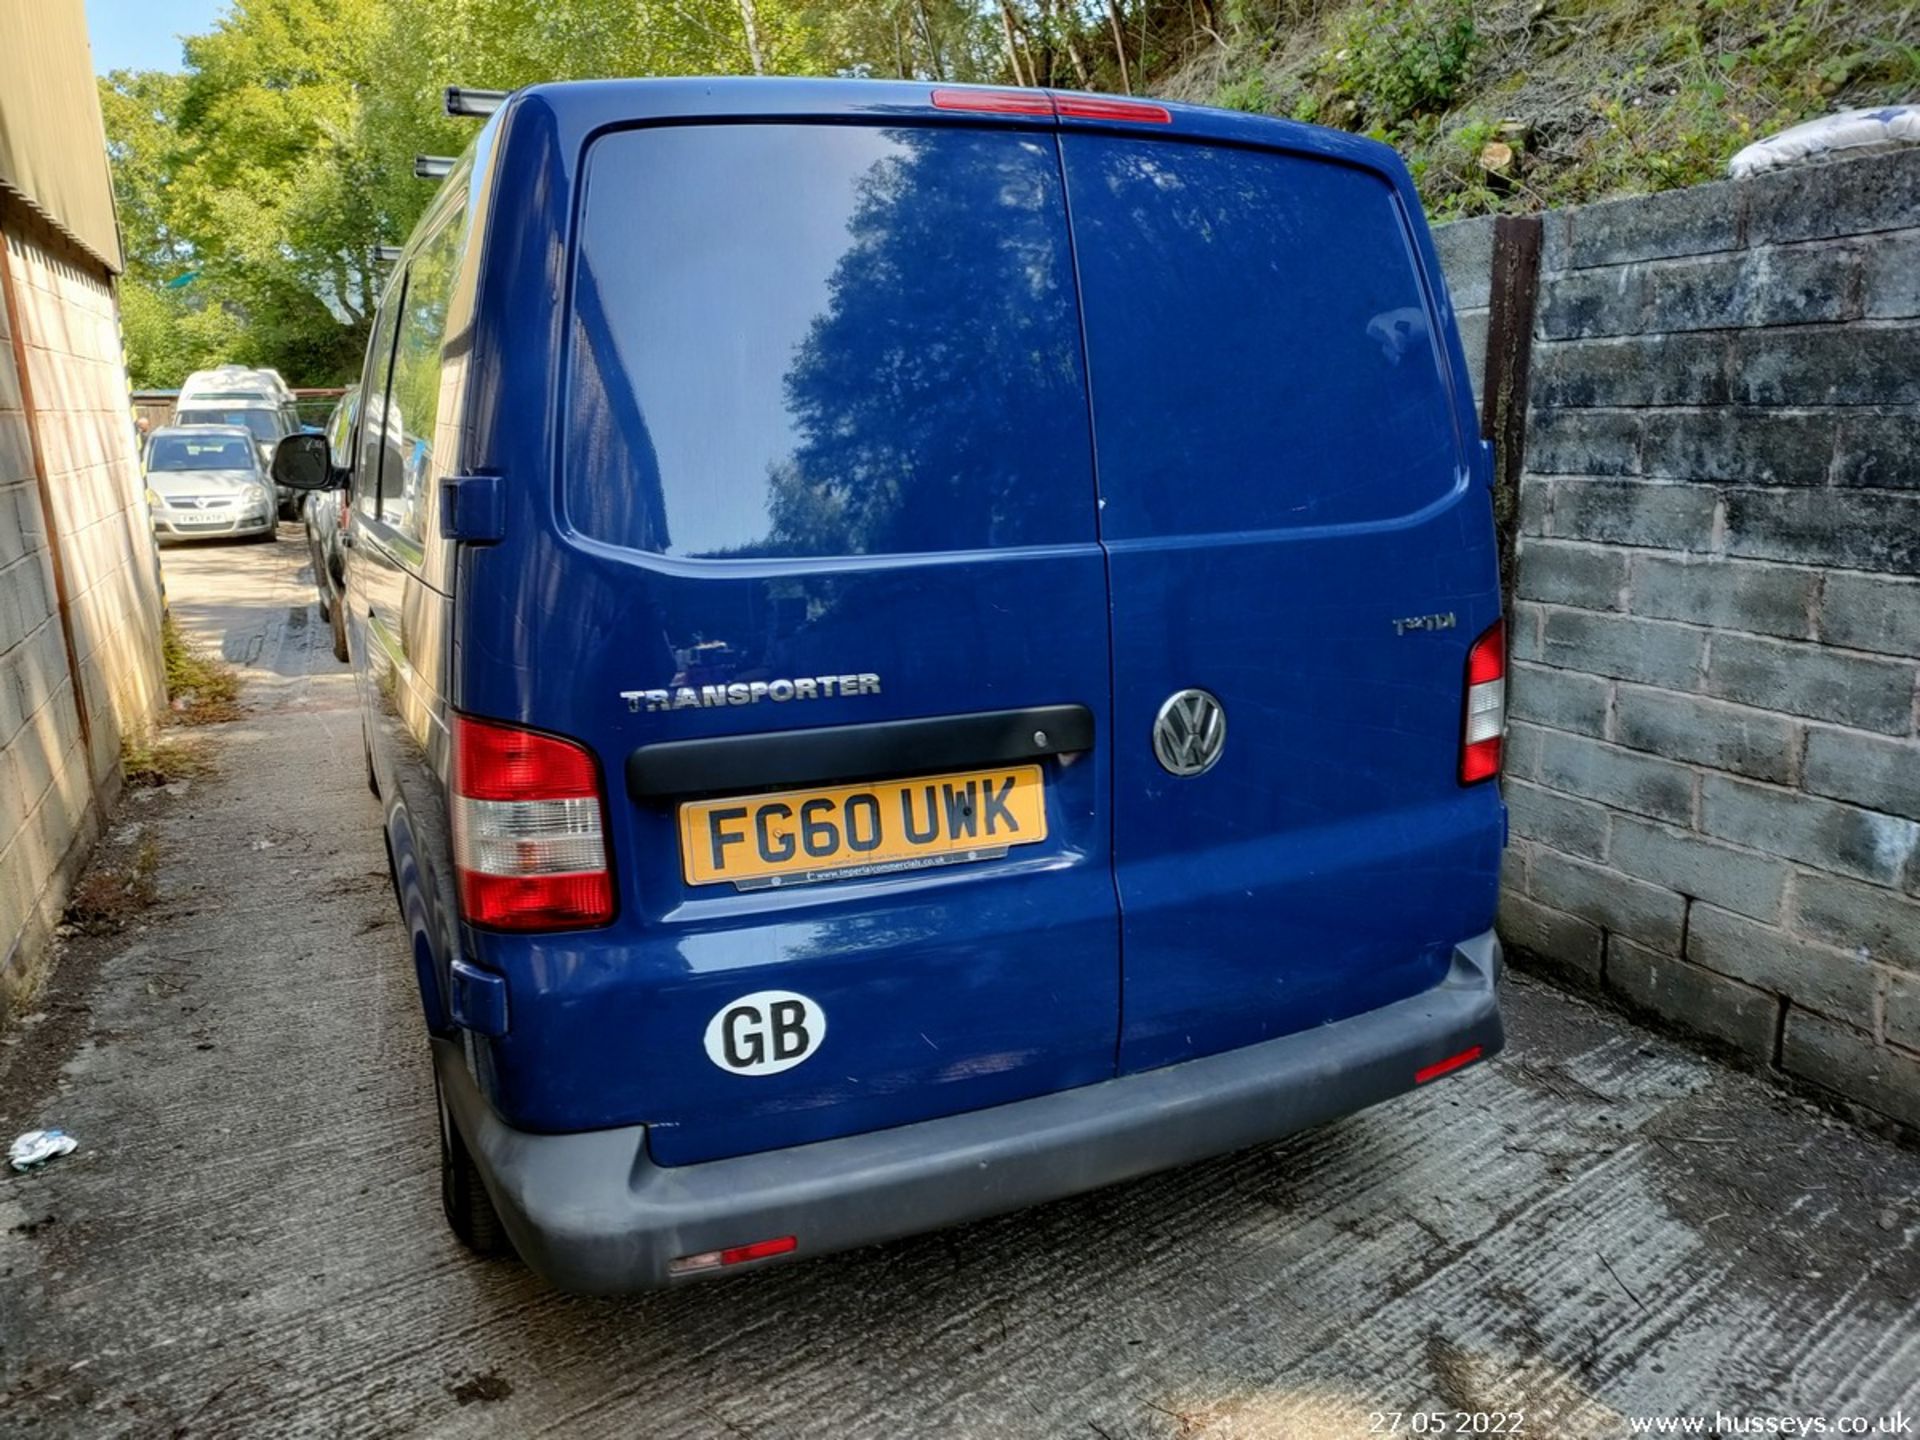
pixel 1486 711
pixel 529 831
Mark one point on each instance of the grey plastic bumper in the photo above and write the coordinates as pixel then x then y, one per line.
pixel 591 1212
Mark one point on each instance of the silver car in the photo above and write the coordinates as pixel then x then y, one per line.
pixel 206 480
pixel 257 399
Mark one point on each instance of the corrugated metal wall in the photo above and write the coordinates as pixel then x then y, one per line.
pixel 53 147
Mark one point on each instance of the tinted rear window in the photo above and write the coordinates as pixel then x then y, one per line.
pixel 1262 355
pixel 823 340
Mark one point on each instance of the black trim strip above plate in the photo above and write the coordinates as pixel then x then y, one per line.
pixel 839 753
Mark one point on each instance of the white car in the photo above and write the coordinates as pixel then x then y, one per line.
pixel 206 480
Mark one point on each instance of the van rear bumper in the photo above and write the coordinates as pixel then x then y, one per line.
pixel 592 1213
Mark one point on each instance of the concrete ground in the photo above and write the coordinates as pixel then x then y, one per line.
pixel 1599 1226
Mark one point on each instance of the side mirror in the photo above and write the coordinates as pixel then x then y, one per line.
pixel 304 462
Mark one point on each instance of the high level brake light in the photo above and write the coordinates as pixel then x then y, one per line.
pixel 995 102
pixel 1486 714
pixel 1043 102
pixel 529 833
pixel 1094 107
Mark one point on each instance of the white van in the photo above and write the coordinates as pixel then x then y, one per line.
pixel 259 400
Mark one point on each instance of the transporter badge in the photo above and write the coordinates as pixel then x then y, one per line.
pixel 752 692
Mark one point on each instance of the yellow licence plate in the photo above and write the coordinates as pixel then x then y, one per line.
pixel 853 830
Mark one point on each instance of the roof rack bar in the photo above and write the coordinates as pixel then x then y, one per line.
pixel 465 100
pixel 432 167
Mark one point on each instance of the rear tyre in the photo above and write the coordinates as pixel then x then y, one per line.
pixel 463 1195
pixel 324 600
pixel 366 752
pixel 339 621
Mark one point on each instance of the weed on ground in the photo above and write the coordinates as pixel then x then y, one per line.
pixel 200 689
pixel 115 890
pixel 160 762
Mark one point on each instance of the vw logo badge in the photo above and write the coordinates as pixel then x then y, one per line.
pixel 1189 732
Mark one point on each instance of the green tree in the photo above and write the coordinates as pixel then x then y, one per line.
pixel 171 328
pixel 276 164
pixel 271 176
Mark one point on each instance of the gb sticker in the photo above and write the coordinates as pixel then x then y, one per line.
pixel 765 1032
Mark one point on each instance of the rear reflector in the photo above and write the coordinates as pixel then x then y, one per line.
pixel 739 1254
pixel 1089 107
pixel 529 833
pixel 1486 710
pixel 1446 1066
pixel 995 102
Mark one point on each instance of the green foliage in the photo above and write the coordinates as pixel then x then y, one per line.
pixel 1249 92
pixel 1582 98
pixel 1397 57
pixel 171 333
pixel 282 156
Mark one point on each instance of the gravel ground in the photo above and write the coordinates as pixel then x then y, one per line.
pixel 1600 1225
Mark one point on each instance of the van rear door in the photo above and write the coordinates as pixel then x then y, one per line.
pixel 825 522
pixel 1297 530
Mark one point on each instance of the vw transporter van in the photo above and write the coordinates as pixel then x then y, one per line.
pixel 922 649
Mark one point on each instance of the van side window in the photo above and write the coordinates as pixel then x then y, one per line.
pixel 1263 357
pixel 414 400
pixel 373 403
pixel 808 340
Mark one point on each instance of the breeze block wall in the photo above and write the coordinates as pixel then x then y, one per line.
pixel 66 410
pixel 1714 766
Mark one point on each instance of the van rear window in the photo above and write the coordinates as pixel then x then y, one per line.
pixel 796 340
pixel 1262 353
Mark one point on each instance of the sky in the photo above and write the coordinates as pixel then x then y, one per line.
pixel 145 34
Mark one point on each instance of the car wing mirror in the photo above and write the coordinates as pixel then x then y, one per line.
pixel 304 462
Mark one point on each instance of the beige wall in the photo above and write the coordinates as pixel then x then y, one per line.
pixel 60 314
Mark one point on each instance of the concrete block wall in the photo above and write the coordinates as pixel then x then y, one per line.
pixel 53 794
pixel 1714 769
pixel 1466 258
pixel 70 322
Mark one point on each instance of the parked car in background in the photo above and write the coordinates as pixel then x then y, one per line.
pixel 206 480
pixel 325 514
pixel 262 382
pixel 827 804
pixel 235 395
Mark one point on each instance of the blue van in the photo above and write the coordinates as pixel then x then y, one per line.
pixel 922 649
